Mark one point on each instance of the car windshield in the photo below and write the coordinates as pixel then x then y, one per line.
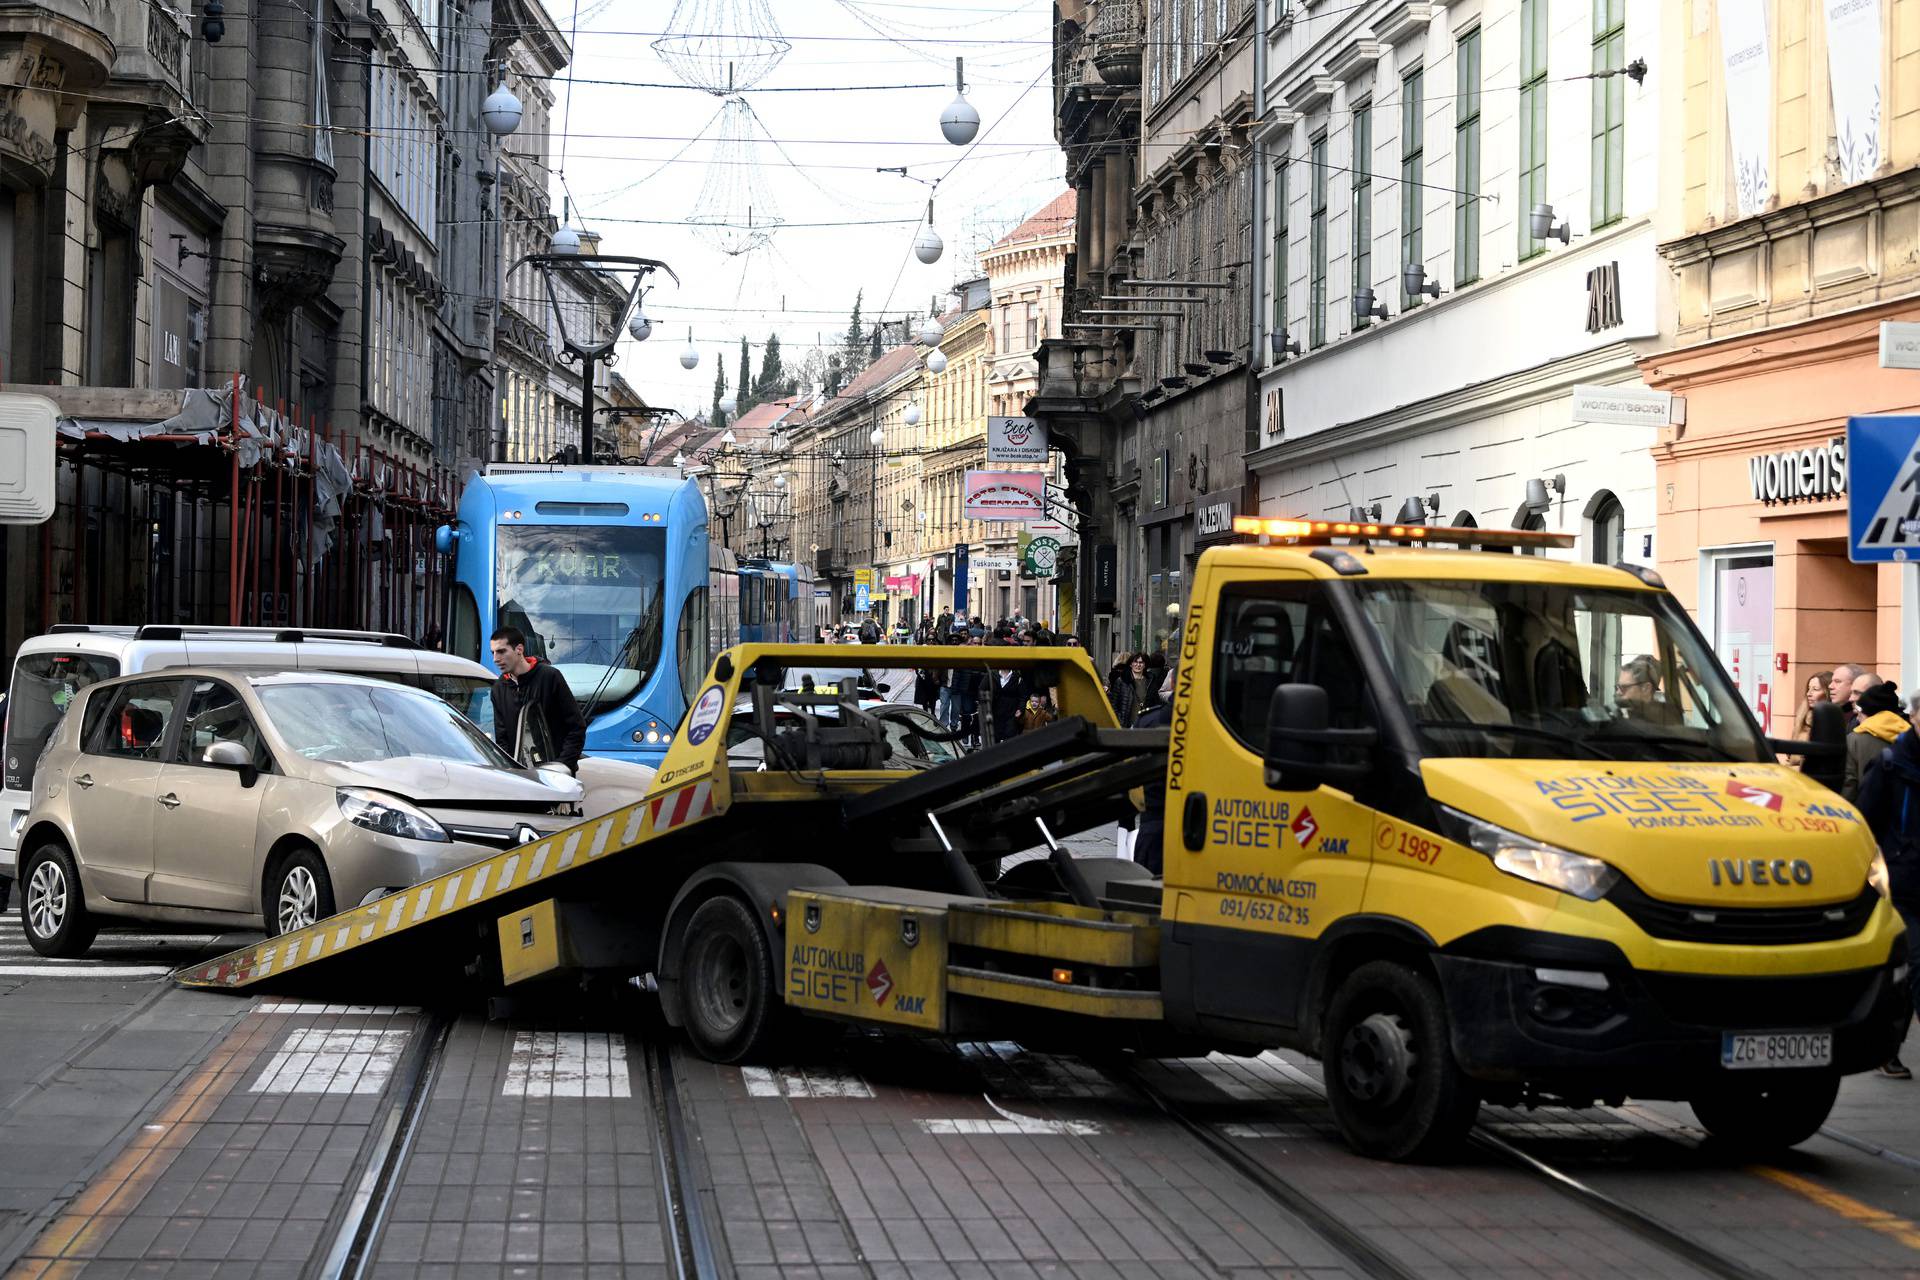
pixel 44 686
pixel 1550 671
pixel 356 723
pixel 588 598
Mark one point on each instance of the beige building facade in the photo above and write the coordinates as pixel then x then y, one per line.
pixel 1794 147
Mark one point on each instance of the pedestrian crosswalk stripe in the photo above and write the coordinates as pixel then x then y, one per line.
pixel 53 969
pixel 567 1064
pixel 800 1083
pixel 306 1007
pixel 311 1060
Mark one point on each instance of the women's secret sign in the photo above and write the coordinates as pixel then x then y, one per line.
pixel 1798 474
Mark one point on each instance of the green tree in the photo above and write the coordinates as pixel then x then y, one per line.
pixel 719 389
pixel 772 381
pixel 743 389
pixel 856 353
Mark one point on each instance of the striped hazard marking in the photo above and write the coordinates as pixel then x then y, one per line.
pixel 473 885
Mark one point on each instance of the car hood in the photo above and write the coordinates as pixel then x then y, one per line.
pixel 1710 834
pixel 431 781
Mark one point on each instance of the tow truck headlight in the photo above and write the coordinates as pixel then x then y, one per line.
pixel 389 815
pixel 1531 859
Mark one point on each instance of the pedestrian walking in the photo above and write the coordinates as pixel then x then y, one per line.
pixel 529 682
pixel 1827 728
pixel 1128 690
pixel 1819 685
pixel 943 627
pixel 1890 799
pixel 1009 691
pixel 1842 689
pixel 1149 846
pixel 926 688
pixel 1880 723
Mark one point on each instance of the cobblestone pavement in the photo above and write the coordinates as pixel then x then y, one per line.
pixel 164 1133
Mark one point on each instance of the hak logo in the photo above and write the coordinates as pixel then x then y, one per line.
pixel 1304 828
pixel 1334 844
pixel 879 981
pixel 910 1004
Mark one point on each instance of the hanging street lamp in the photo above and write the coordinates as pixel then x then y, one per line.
pixel 959 122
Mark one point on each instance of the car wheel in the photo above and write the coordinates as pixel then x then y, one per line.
pixel 52 910
pixel 299 893
pixel 726 982
pixel 1396 1091
pixel 1765 1118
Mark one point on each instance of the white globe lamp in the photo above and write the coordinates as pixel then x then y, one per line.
pixel 501 112
pixel 936 361
pixel 639 328
pixel 727 405
pixel 931 332
pixel 566 240
pixel 928 246
pixel 877 437
pixel 690 357
pixel 912 414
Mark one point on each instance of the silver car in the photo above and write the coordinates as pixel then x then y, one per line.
pixel 227 797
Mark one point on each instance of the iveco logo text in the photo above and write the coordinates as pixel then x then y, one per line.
pixel 1760 871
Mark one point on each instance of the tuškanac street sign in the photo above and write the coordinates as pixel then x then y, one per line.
pixel 1883 488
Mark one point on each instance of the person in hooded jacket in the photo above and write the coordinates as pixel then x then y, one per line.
pixel 1880 723
pixel 1890 800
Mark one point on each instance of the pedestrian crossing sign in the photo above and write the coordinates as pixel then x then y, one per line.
pixel 1883 488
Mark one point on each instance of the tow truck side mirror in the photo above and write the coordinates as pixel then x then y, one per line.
pixel 1302 752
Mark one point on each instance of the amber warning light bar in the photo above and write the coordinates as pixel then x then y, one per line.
pixel 1320 532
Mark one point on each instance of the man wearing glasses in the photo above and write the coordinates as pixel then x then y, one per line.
pixel 1637 692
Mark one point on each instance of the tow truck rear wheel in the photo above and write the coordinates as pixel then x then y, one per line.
pixel 1395 1089
pixel 727 982
pixel 1765 1117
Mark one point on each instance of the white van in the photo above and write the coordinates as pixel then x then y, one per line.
pixel 50 669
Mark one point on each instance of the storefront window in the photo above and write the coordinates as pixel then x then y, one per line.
pixel 1740 592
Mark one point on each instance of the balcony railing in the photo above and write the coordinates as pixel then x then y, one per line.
pixel 1119 40
pixel 152 41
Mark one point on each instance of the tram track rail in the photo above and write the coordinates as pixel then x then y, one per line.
pixel 356 1242
pixel 1370 1259
pixel 696 1253
pixel 1638 1222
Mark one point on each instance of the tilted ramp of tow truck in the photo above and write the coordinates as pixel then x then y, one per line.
pixel 432 937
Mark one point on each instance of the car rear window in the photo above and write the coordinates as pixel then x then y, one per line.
pixel 44 686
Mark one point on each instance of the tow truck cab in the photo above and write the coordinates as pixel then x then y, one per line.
pixel 1475 825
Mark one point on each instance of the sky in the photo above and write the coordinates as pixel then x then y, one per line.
pixel 638 162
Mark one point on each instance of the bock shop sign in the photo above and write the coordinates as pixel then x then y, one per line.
pixel 1006 495
pixel 1016 440
pixel 1800 475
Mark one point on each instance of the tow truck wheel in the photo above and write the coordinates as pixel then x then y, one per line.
pixel 726 978
pixel 1395 1089
pixel 1767 1117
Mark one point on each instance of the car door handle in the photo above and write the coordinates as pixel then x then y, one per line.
pixel 83 781
pixel 170 800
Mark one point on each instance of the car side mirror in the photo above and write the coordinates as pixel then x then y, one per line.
pixel 1303 753
pixel 231 755
pixel 884 688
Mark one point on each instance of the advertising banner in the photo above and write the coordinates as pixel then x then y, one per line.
pixel 1853 65
pixel 1005 495
pixel 1743 46
pixel 1016 440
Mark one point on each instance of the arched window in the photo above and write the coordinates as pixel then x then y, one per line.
pixel 1606 528
pixel 1465 520
pixel 1531 521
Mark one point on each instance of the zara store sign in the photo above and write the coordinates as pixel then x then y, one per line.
pixel 1800 475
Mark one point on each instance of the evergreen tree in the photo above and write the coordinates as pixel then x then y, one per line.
pixel 719 389
pixel 877 345
pixel 773 376
pixel 856 353
pixel 743 385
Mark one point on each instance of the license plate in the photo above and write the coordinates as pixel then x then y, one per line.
pixel 1760 1050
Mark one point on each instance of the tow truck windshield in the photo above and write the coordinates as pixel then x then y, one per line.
pixel 1527 670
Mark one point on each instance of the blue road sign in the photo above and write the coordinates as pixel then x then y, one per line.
pixel 862 597
pixel 1883 488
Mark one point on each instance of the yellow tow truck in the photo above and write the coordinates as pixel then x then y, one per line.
pixel 1467 823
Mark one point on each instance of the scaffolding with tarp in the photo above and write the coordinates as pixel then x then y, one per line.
pixel 212 505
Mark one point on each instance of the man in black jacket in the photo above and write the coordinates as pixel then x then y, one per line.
pixel 526 682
